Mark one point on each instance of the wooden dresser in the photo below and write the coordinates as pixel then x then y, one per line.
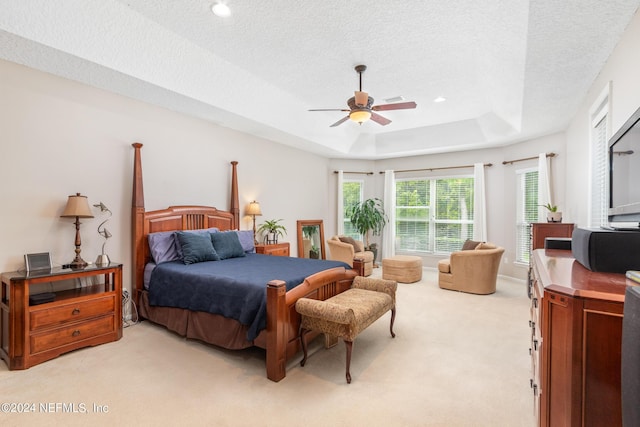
pixel 277 249
pixel 576 338
pixel 542 230
pixel 87 315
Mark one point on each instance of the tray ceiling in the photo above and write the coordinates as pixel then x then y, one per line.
pixel 509 70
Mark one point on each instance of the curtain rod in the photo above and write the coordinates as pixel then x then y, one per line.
pixel 508 162
pixel 359 173
pixel 442 168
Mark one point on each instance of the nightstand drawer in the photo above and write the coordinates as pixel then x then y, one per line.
pixel 70 312
pixel 277 252
pixel 275 249
pixel 70 334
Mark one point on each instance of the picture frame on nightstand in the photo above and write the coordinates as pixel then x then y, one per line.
pixel 37 262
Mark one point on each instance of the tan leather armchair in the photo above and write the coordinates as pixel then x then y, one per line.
pixel 346 252
pixel 474 271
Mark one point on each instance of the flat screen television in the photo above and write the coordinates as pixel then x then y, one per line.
pixel 624 175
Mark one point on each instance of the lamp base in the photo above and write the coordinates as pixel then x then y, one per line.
pixel 102 260
pixel 78 264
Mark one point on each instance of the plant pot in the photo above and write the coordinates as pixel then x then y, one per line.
pixel 554 216
pixel 373 248
pixel 314 254
pixel 271 238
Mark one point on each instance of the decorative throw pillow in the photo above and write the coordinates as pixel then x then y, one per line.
pixel 205 232
pixel 351 241
pixel 246 240
pixel 196 247
pixel 227 245
pixel 469 245
pixel 163 246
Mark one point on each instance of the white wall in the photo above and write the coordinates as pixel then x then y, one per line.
pixel 60 137
pixel 623 71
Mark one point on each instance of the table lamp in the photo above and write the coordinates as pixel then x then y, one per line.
pixel 78 207
pixel 254 210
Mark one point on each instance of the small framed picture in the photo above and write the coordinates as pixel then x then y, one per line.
pixel 37 262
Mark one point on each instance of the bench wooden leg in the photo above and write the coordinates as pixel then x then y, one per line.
pixel 303 341
pixel 393 318
pixel 349 345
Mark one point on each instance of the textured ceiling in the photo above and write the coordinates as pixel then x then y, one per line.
pixel 510 70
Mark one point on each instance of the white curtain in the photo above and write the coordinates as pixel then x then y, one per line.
pixel 544 186
pixel 340 209
pixel 480 204
pixel 389 232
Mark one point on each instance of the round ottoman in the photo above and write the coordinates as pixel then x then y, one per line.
pixel 402 268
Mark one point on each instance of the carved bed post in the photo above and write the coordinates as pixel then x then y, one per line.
pixel 137 213
pixel 276 330
pixel 234 206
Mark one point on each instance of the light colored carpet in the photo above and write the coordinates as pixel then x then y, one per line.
pixel 457 360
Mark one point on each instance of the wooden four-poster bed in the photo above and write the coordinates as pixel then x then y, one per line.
pixel 279 335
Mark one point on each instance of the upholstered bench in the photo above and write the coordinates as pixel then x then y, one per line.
pixel 348 313
pixel 402 268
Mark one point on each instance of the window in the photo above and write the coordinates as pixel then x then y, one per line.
pixel 352 194
pixel 599 185
pixel 526 211
pixel 434 215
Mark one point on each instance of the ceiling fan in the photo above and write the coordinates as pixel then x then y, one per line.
pixel 361 106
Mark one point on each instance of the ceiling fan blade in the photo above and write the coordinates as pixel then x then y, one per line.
pixel 339 122
pixel 362 98
pixel 398 106
pixel 329 109
pixel 379 119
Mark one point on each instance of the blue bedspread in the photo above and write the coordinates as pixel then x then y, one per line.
pixel 235 287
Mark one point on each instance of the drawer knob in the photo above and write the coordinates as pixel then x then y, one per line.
pixel 75 333
pixel 75 311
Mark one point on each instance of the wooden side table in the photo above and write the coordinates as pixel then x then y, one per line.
pixel 79 317
pixel 276 249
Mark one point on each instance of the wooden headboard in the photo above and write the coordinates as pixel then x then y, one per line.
pixel 171 219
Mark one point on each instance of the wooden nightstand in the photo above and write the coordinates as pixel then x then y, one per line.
pixel 277 249
pixel 85 316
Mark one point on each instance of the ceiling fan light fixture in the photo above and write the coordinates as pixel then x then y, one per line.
pixel 360 116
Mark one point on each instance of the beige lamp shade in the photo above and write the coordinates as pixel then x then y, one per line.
pixel 254 209
pixel 77 206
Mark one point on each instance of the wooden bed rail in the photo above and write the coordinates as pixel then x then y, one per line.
pixel 283 321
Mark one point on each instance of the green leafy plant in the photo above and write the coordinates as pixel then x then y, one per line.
pixel 273 226
pixel 368 216
pixel 309 230
pixel 550 207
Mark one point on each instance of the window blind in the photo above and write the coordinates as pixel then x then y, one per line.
pixel 434 215
pixel 599 179
pixel 352 191
pixel 526 211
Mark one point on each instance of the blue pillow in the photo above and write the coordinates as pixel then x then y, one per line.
pixel 246 240
pixel 227 245
pixel 205 232
pixel 163 246
pixel 196 247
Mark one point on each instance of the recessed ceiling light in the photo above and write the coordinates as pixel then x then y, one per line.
pixel 440 99
pixel 221 9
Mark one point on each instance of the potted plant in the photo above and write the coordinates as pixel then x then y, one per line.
pixel 368 216
pixel 314 252
pixel 309 230
pixel 271 229
pixel 553 215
